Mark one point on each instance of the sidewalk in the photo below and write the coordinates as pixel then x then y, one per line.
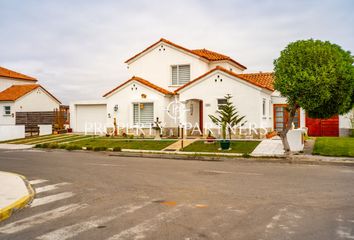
pixel 15 146
pixel 15 193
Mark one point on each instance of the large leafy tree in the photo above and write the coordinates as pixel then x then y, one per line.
pixel 227 117
pixel 317 76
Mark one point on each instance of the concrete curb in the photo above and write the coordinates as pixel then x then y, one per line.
pixel 298 159
pixel 6 212
pixel 271 159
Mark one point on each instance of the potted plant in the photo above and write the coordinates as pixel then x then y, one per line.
pixel 227 118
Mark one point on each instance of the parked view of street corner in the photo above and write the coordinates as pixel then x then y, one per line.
pixel 235 121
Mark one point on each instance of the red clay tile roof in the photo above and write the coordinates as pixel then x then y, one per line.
pixel 265 79
pixel 16 91
pixel 214 56
pixel 203 53
pixel 144 82
pixel 4 72
pixel 262 80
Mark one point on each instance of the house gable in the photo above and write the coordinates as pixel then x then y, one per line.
pixel 157 61
pixel 16 92
pixel 39 99
pixel 253 81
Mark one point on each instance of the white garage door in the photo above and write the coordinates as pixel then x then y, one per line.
pixel 89 117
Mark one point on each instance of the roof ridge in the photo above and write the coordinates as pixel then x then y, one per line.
pixel 187 50
pixel 256 73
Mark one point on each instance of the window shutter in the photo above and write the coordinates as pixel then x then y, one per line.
pixel 147 114
pixel 174 75
pixel 184 74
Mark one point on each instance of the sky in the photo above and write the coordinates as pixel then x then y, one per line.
pixel 77 49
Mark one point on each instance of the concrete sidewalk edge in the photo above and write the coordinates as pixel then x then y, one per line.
pixel 268 159
pixel 6 212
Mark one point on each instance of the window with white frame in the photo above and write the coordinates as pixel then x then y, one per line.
pixel 7 110
pixel 180 74
pixel 264 107
pixel 221 102
pixel 143 114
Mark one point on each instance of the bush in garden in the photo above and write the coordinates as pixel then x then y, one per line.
pixel 45 145
pixel 62 146
pixel 117 149
pixel 99 149
pixel 53 145
pixel 73 147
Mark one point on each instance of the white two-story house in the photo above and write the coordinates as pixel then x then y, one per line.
pixel 165 74
pixel 182 87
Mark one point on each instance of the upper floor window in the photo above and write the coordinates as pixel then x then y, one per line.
pixel 181 74
pixel 221 102
pixel 7 110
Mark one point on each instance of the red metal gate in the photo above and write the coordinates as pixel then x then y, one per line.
pixel 323 127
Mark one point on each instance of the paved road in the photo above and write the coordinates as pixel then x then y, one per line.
pixel 96 196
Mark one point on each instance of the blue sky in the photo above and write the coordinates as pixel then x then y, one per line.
pixel 77 48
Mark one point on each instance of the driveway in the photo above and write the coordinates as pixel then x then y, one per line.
pixel 95 196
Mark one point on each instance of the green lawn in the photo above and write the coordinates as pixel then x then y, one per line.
pixel 47 138
pixel 124 144
pixel 236 147
pixel 334 146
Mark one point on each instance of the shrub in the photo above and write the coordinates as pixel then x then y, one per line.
pixel 72 147
pixel 117 149
pixel 53 145
pixel 45 145
pixel 62 146
pixel 38 146
pixel 246 155
pixel 99 149
pixel 89 148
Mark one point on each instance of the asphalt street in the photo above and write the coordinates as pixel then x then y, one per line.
pixel 88 195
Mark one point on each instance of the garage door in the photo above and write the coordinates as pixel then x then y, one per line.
pixel 323 127
pixel 89 116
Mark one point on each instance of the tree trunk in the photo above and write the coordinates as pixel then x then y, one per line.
pixel 283 134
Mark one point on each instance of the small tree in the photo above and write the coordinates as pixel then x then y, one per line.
pixel 316 76
pixel 227 118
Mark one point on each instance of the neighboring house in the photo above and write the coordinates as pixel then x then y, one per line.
pixel 21 93
pixel 166 73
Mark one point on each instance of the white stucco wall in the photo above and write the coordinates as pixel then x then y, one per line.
pixel 246 97
pixel 155 65
pixel 7 119
pixel 132 93
pixel 226 65
pixel 37 100
pixel 9 132
pixel 8 82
